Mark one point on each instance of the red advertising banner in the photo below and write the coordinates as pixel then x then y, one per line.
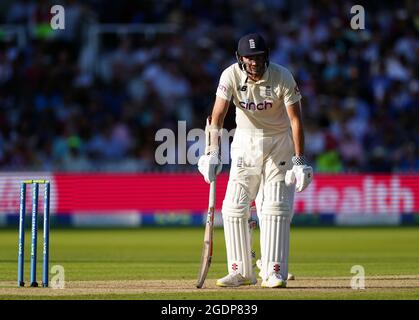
pixel 108 193
pixel 369 194
pixel 142 192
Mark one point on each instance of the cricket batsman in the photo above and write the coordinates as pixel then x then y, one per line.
pixel 268 163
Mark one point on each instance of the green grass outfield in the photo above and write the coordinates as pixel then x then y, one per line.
pixel 162 263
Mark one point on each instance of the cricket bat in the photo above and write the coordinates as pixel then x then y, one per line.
pixel 208 239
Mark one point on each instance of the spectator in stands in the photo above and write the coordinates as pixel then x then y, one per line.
pixel 361 88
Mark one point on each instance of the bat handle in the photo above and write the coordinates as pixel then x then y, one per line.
pixel 212 195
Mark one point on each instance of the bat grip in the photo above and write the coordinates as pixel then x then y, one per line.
pixel 212 195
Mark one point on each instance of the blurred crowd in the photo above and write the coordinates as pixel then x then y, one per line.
pixel 75 100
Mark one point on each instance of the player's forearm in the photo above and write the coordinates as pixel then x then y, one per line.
pixel 218 114
pixel 217 118
pixel 217 121
pixel 298 136
pixel 296 120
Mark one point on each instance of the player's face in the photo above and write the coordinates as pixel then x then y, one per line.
pixel 255 65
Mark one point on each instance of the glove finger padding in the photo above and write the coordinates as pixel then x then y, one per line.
pixel 304 176
pixel 300 175
pixel 209 166
pixel 202 165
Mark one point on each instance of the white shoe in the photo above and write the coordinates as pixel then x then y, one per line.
pixel 259 265
pixel 274 281
pixel 235 280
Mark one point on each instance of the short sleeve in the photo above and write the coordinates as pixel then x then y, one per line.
pixel 291 92
pixel 225 86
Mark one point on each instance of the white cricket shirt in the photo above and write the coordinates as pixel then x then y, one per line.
pixel 261 104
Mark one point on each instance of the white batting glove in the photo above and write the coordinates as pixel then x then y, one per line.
pixel 301 174
pixel 210 165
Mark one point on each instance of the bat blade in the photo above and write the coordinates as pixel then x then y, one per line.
pixel 207 249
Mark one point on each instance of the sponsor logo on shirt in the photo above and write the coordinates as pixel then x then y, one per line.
pixel 256 106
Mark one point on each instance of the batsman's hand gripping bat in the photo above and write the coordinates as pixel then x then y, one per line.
pixel 208 239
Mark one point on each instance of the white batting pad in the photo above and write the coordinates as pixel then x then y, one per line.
pixel 276 249
pixel 237 237
pixel 236 211
pixel 276 215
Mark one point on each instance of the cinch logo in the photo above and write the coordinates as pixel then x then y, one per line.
pixel 255 107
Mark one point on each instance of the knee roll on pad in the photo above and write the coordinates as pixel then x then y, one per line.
pixel 236 202
pixel 277 200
